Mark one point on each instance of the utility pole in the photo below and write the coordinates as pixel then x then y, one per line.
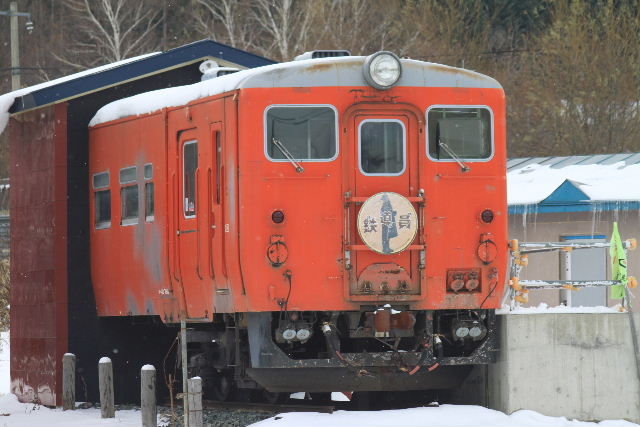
pixel 13 15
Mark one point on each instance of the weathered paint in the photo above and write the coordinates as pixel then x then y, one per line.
pixel 220 265
pixel 39 253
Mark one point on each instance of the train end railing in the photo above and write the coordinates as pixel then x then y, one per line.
pixel 517 292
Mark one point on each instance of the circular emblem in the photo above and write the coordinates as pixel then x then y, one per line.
pixel 387 223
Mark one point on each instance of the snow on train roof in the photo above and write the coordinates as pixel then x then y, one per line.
pixel 602 177
pixel 344 71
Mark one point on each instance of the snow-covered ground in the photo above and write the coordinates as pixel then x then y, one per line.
pixel 543 308
pixel 15 414
pixel 445 415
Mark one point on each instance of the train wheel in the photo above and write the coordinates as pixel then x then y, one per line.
pixel 220 386
pixel 272 397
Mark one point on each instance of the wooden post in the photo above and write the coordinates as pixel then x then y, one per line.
pixel 195 402
pixel 185 362
pixel 68 381
pixel 105 377
pixel 148 396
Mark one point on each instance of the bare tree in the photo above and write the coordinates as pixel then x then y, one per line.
pixel 287 25
pixel 583 89
pixel 110 30
pixel 227 21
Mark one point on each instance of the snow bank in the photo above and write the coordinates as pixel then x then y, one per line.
pixel 545 309
pixel 14 414
pixel 534 183
pixel 445 415
pixel 6 100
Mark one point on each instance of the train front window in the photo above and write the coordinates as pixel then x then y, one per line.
pixel 308 133
pixel 382 147
pixel 463 132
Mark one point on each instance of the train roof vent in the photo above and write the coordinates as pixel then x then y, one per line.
pixel 210 69
pixel 314 54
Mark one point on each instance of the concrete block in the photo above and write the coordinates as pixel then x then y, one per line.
pixel 575 365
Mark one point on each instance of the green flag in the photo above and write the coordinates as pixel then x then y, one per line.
pixel 618 264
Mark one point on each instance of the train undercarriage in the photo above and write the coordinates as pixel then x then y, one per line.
pixel 375 349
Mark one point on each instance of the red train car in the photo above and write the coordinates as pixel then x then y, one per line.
pixel 325 224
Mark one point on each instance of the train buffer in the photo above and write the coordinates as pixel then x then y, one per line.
pixel 518 290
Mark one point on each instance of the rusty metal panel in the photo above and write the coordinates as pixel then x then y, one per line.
pixel 38 273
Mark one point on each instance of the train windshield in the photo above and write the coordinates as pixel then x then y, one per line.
pixel 466 132
pixel 307 132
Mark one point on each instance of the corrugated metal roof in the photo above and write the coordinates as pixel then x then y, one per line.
pixel 574 183
pixel 559 162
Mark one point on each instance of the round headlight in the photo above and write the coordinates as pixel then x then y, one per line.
pixel 382 70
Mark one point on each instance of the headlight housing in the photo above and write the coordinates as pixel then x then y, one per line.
pixel 382 70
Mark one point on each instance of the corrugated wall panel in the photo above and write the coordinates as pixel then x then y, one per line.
pixel 38 249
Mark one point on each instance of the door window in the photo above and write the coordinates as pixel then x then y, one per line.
pixel 190 159
pixel 382 147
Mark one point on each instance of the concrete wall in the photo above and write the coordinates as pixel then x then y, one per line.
pixel 551 227
pixel 575 365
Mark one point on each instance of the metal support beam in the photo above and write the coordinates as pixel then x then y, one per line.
pixel 13 15
pixel 15 47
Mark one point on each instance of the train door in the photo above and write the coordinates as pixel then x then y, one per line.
pixel 383 151
pixel 216 227
pixel 188 213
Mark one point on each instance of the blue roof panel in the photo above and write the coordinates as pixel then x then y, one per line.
pixel 170 59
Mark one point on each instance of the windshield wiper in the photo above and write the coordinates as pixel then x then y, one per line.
pixel 288 155
pixel 463 165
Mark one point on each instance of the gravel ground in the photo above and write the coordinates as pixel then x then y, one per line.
pixel 216 418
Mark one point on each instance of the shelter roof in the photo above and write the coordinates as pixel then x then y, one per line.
pixel 137 68
pixel 574 183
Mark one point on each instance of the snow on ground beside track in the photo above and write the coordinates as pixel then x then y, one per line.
pixel 16 414
pixel 545 309
pixel 4 363
pixel 445 415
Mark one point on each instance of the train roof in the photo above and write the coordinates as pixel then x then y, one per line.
pixel 343 71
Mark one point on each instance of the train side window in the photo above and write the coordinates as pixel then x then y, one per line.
pixel 128 175
pixel 463 132
pixel 129 197
pixel 149 202
pixel 149 194
pixel 307 132
pixel 190 159
pixel 102 200
pixel 148 171
pixel 382 147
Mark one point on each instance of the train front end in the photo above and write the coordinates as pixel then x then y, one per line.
pixel 372 223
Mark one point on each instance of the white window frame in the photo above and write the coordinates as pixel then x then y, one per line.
pixel 337 127
pixel 404 146
pixel 465 159
pixel 132 220
pixel 195 182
